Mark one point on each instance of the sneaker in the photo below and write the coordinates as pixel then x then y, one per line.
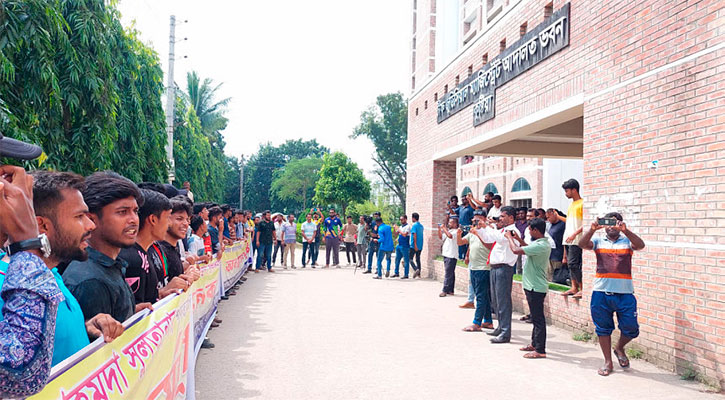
pixel 207 344
pixel 367 272
pixel 416 274
pixel 313 266
pixel 303 266
pixel 337 266
pixel 387 274
pixel 293 267
pixel 377 277
pixel 395 276
pixel 404 277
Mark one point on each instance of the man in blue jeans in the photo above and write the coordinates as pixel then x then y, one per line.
pixel 402 250
pixel 265 241
pixel 479 248
pixel 385 240
pixel 373 246
pixel 613 289
pixel 309 231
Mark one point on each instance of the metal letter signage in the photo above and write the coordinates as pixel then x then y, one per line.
pixel 479 89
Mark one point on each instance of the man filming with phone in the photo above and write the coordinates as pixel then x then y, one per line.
pixel 613 289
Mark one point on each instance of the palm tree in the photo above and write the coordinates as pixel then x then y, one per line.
pixel 210 112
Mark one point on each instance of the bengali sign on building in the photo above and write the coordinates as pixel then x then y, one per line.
pixel 479 89
pixel 155 356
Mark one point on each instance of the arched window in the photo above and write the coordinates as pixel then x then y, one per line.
pixel 521 185
pixel 466 190
pixel 490 188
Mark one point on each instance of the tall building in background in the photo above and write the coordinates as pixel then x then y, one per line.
pixel 519 95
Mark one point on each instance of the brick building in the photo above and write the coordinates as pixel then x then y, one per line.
pixel 521 181
pixel 633 89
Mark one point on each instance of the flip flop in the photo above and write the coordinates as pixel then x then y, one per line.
pixel 534 354
pixel 622 359
pixel 472 328
pixel 604 371
pixel 528 348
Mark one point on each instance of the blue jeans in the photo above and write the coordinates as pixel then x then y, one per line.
pixel 372 250
pixel 403 252
pixel 264 251
pixel 481 280
pixel 305 248
pixel 471 292
pixel 315 251
pixel 381 254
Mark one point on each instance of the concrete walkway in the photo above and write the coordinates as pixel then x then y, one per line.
pixel 332 334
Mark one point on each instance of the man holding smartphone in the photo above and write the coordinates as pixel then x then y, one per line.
pixel 613 289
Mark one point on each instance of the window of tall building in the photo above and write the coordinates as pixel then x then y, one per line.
pixel 521 185
pixel 466 191
pixel 490 188
pixel 519 203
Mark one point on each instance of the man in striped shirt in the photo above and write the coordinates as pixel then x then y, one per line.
pixel 613 289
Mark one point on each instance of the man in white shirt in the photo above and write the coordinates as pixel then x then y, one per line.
pixel 503 262
pixel 495 211
pixel 450 254
pixel 289 231
pixel 278 239
pixel 309 231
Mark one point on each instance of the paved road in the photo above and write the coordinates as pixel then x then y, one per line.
pixel 332 334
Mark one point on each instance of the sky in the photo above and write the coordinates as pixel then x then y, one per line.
pixel 293 69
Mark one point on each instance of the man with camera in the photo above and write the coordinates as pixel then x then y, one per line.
pixel 613 290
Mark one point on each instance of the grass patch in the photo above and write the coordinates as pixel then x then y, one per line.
pixel 690 373
pixel 459 263
pixel 582 336
pixel 552 286
pixel 633 353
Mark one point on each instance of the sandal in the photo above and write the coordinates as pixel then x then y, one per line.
pixel 604 371
pixel 534 354
pixel 622 359
pixel 442 295
pixel 528 348
pixel 525 318
pixel 472 328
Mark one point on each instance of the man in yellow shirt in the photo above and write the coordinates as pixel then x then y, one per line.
pixel 572 234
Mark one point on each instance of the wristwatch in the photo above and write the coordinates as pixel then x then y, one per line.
pixel 41 242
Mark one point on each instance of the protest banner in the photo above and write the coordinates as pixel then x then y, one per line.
pixel 155 356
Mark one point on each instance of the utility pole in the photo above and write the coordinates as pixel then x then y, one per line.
pixel 241 183
pixel 170 101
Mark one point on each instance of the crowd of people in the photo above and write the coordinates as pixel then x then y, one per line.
pixel 369 239
pixel 80 255
pixel 496 241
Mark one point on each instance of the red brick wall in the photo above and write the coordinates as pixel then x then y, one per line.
pixel 675 116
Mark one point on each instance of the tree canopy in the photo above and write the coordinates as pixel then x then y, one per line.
pixel 294 184
pixel 89 92
pixel 341 182
pixel 259 170
pixel 386 125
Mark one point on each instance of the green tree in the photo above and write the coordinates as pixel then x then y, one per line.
pixel 295 182
pixel 73 81
pixel 341 182
pixel 259 170
pixel 386 125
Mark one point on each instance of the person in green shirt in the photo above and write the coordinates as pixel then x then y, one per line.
pixel 479 247
pixel 534 282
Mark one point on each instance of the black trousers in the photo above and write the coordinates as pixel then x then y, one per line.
pixel 449 281
pixel 536 306
pixel 350 249
pixel 415 259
